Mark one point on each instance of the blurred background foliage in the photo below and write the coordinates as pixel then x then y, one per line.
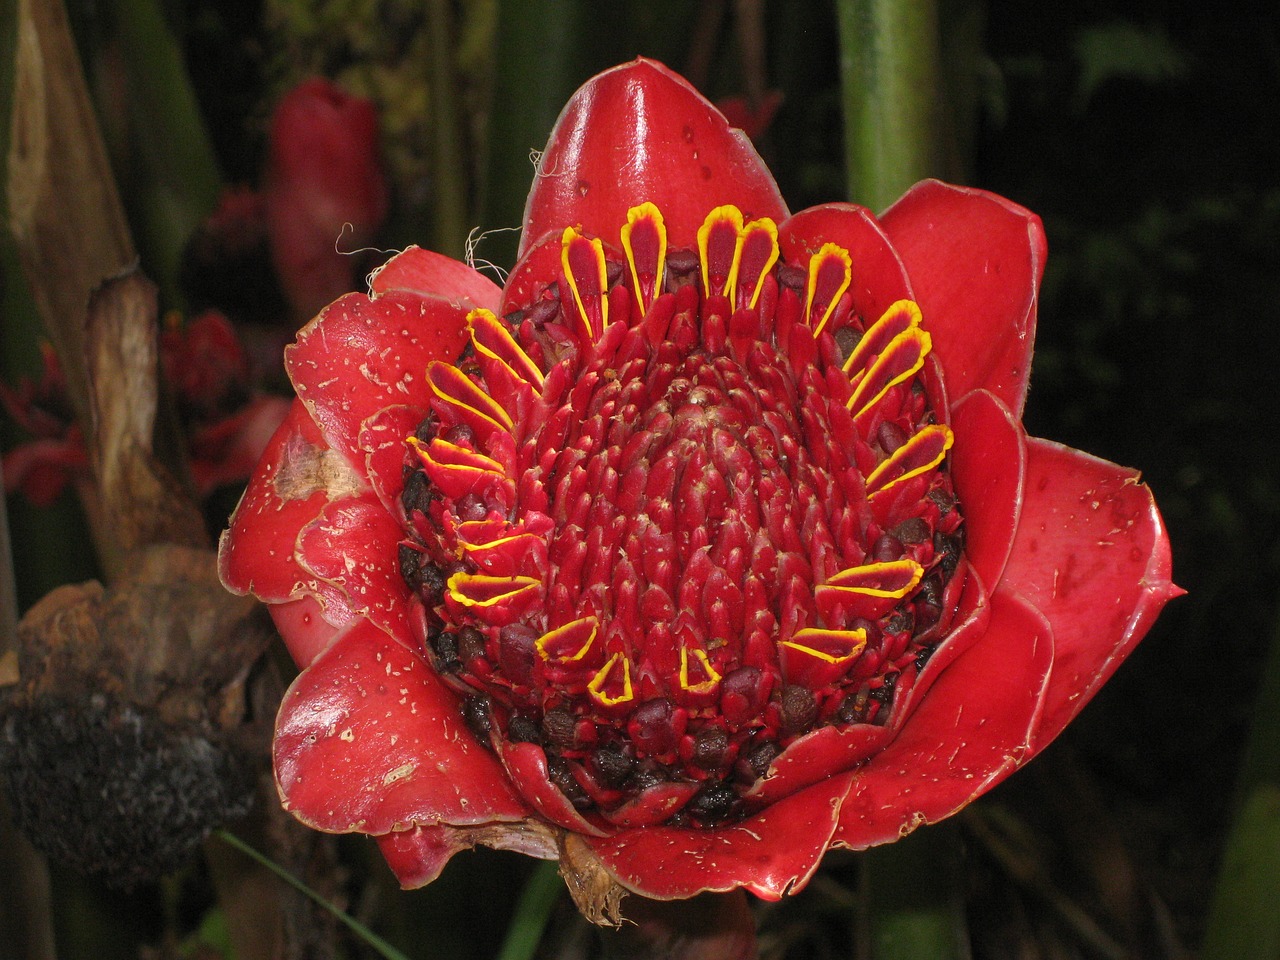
pixel 1146 133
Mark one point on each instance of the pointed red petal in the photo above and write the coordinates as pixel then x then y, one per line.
pixel 296 478
pixel 975 261
pixel 431 274
pixel 772 853
pixel 988 462
pixel 879 278
pixel 1092 554
pixel 641 133
pixel 972 729
pixel 361 355
pixel 369 741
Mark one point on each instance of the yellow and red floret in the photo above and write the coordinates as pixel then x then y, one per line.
pixel 679 511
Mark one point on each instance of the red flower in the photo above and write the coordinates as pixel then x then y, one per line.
pixel 325 191
pixel 723 543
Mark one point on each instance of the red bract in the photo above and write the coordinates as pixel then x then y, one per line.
pixel 720 546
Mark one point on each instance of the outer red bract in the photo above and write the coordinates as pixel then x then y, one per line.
pixel 1066 560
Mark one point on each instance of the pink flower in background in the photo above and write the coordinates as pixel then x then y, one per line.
pixel 710 542
pixel 326 194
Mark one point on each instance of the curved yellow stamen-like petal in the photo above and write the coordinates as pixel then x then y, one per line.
pixel 702 686
pixel 829 267
pixel 900 360
pixel 568 637
pixel 892 579
pixel 584 268
pixel 597 684
pixel 644 239
pixel 720 224
pixel 492 338
pixel 922 453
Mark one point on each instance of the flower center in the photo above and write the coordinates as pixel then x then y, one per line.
pixel 678 512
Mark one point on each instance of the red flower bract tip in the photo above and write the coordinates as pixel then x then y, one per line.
pixel 710 542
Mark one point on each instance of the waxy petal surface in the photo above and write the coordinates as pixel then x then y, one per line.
pixel 368 740
pixel 431 274
pixel 972 729
pixel 1092 555
pixel 296 478
pixel 362 355
pixel 879 278
pixel 351 544
pixel 988 464
pixel 641 133
pixel 417 856
pixel 772 853
pixel 975 261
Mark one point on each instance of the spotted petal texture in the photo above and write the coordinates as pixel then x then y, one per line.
pixel 828 594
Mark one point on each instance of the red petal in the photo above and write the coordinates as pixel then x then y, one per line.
pixel 641 133
pixel 369 741
pixel 975 261
pixel 352 544
pixel 772 853
pixel 417 856
pixel 971 730
pixel 988 462
pixel 431 274
pixel 361 355
pixel 296 478
pixel 383 436
pixel 879 278
pixel 1091 553
pixel 308 627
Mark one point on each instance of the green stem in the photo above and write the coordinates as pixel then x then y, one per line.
pixel 449 226
pixel 541 892
pixel 180 183
pixel 359 929
pixel 911 897
pixel 889 69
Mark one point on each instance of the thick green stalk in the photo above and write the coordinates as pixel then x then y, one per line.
pixel 1243 923
pixel 890 63
pixel 180 181
pixel 450 207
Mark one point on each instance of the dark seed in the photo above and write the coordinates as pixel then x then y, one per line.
pixel 648 773
pixel 902 621
pixel 792 276
pixel 923 656
pixel 559 729
pixel 475 711
pixel 943 499
pixel 418 493
pixel 758 758
pixel 444 645
pixel 799 709
pixel 470 644
pixel 523 730
pixel 612 766
pixel 847 340
pixel 709 747
pixel 912 530
pixel 714 803
pixel 562 777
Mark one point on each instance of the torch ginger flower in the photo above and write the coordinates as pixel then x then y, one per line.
pixel 710 542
